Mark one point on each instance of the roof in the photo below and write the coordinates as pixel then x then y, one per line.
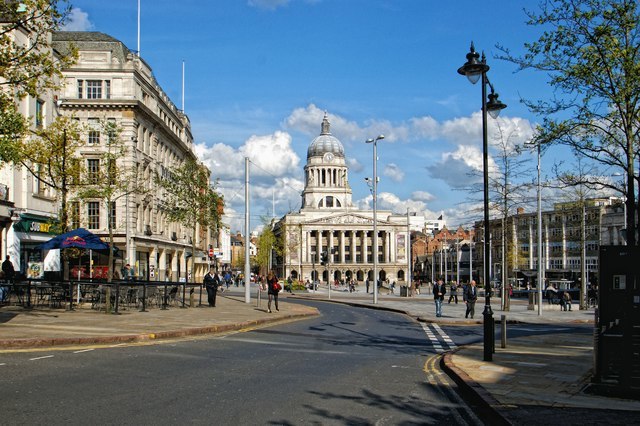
pixel 326 142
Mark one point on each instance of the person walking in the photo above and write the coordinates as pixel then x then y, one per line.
pixel 439 290
pixel 211 282
pixel 8 270
pixel 470 297
pixel 273 288
pixel 366 283
pixel 454 292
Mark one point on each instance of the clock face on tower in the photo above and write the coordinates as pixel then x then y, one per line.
pixel 328 157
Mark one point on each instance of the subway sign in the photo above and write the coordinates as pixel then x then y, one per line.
pixel 31 225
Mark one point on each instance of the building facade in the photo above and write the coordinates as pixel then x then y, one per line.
pixel 27 207
pixel 110 83
pixel 571 232
pixel 329 222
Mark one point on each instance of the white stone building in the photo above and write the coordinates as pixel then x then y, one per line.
pixel 328 221
pixel 110 82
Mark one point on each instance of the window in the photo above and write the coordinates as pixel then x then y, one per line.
pixel 75 215
pixel 94 137
pixel 39 113
pixel 107 89
pixel 80 88
pixel 112 215
pixel 93 170
pixel 93 214
pixel 94 89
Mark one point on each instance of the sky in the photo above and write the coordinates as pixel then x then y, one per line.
pixel 260 75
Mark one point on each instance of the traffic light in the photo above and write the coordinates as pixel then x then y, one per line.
pixel 324 258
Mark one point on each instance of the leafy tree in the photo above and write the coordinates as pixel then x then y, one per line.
pixel 52 158
pixel 269 242
pixel 191 200
pixel 590 49
pixel 28 66
pixel 112 180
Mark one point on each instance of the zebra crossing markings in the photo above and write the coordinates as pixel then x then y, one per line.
pixel 435 341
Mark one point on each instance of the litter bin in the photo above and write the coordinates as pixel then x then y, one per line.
pixel 532 300
pixel 403 291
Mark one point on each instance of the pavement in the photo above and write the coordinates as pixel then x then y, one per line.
pixel 530 381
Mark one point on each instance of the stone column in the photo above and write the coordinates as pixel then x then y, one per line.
pixel 342 238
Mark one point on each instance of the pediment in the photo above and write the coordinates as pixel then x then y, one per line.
pixel 344 219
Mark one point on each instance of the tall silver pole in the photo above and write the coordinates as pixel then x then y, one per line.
pixel 408 253
pixel 470 260
pixel 540 260
pixel 375 221
pixel 247 239
pixel 457 262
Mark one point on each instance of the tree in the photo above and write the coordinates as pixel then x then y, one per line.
pixel 191 200
pixel 28 65
pixel 507 189
pixel 52 158
pixel 268 244
pixel 110 179
pixel 591 51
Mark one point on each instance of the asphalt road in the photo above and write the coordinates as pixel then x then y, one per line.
pixel 349 366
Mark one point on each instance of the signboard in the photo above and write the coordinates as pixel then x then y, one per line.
pixel 211 253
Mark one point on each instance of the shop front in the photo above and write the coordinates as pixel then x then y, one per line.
pixel 23 238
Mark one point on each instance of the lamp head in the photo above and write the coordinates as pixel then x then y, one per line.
pixel 494 106
pixel 474 68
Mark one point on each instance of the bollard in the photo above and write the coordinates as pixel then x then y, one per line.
pixel 503 331
pixel 107 300
pixel 192 298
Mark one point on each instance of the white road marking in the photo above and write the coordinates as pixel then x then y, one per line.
pixel 445 337
pixel 84 350
pixel 41 357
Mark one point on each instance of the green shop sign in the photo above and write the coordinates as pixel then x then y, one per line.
pixel 32 223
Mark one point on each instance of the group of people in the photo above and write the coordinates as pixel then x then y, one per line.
pixel 469 296
pixel 213 282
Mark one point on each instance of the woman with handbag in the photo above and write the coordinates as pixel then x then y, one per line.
pixel 273 288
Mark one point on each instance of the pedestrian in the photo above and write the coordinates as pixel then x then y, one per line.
pixel 211 284
pixel 290 284
pixel 227 279
pixel 470 297
pixel 7 269
pixel 366 283
pixel 454 292
pixel 273 288
pixel 550 293
pixel 566 300
pixel 126 272
pixel 439 290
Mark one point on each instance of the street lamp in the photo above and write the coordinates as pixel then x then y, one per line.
pixel 475 69
pixel 375 215
pixel 540 259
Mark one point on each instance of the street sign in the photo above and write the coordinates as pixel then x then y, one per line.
pixel 210 252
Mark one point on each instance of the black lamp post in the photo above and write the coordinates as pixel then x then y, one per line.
pixel 476 69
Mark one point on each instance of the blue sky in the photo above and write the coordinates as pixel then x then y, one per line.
pixel 259 75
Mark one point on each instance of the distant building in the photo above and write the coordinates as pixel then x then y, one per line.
pixel 329 222
pixel 562 241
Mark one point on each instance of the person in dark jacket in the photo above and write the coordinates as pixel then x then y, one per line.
pixel 272 290
pixel 7 268
pixel 439 290
pixel 211 283
pixel 470 297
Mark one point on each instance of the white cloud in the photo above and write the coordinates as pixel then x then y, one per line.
pixel 78 21
pixel 422 196
pixel 267 4
pixel 393 172
pixel 274 173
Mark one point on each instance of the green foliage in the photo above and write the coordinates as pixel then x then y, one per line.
pixel 190 199
pixel 266 245
pixel 590 49
pixel 28 66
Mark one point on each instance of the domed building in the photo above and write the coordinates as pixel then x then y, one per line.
pixel 329 222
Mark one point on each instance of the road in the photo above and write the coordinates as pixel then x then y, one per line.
pixel 347 366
